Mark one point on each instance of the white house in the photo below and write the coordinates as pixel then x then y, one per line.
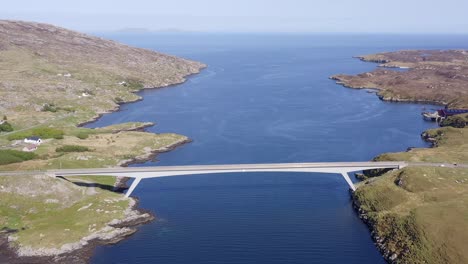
pixel 33 140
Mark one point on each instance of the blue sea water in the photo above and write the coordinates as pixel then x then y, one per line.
pixel 264 98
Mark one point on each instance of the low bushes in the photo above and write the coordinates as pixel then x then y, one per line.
pixel 134 84
pixel 82 135
pixel 42 132
pixel 49 108
pixel 9 156
pixel 458 121
pixel 6 127
pixel 72 148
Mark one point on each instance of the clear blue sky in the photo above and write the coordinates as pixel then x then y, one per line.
pixel 395 16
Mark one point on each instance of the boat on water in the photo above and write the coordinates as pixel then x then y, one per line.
pixel 430 116
pixel 441 114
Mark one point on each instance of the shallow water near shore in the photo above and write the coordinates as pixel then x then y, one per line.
pixel 264 98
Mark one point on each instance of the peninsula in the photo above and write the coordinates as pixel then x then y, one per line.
pixel 51 81
pixel 432 76
pixel 418 214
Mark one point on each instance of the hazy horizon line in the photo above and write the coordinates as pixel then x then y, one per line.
pixel 182 31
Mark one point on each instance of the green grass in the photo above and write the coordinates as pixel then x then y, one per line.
pixel 82 135
pixel 70 224
pixel 10 156
pixel 421 212
pixel 72 148
pixel 42 132
pixel 458 121
pixel 42 224
pixel 451 146
pixel 134 84
pixel 38 80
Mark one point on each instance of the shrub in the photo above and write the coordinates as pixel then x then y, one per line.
pixel 6 127
pixel 67 109
pixel 82 135
pixel 457 121
pixel 134 84
pixel 42 132
pixel 8 156
pixel 72 148
pixel 49 108
pixel 118 100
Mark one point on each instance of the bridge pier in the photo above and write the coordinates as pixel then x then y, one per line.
pixel 139 173
pixel 135 182
pixel 348 180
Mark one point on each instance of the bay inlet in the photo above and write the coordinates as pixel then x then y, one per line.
pixel 264 99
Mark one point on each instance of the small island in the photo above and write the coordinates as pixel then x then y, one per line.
pixel 52 82
pixel 418 214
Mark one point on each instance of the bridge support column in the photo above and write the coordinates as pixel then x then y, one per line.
pixel 348 180
pixel 135 182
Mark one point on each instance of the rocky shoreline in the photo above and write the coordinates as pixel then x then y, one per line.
pixel 152 153
pixel 379 242
pixel 386 91
pixel 432 76
pixel 117 108
pixel 121 182
pixel 389 256
pixel 124 70
pixel 117 230
pixel 78 252
pixel 386 97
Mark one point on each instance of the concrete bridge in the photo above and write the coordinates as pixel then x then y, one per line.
pixel 139 173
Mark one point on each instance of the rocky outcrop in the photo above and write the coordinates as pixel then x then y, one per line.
pixel 380 242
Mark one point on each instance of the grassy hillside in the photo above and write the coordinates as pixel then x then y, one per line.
pixel 105 147
pixel 51 80
pixel 77 75
pixel 56 215
pixel 419 215
pixel 450 145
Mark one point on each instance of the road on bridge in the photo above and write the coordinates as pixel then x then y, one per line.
pixel 140 173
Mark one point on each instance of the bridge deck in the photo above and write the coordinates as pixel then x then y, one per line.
pixel 228 167
pixel 140 173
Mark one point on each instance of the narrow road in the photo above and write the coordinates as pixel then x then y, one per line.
pixel 428 164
